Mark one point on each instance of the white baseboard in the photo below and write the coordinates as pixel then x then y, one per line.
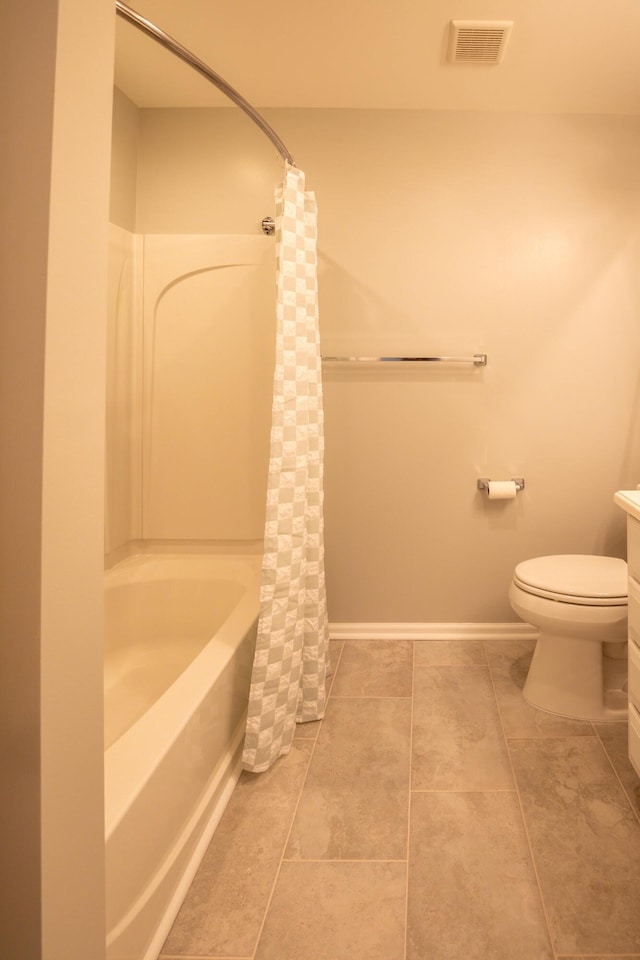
pixel 432 631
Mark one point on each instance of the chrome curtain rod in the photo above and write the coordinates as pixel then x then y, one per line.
pixel 122 10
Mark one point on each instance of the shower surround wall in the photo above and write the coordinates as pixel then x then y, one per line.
pixel 189 372
pixel 446 233
pixel 189 379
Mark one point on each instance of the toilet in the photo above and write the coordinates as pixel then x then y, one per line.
pixel 579 605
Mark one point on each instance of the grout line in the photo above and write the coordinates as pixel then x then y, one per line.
pixel 334 667
pixel 375 697
pixel 197 956
pixel 557 736
pixel 634 809
pixel 475 790
pixel 410 793
pixel 460 666
pixel 524 822
pixel 442 663
pixel 342 860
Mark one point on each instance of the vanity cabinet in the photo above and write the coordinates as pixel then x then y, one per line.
pixel 634 659
pixel 629 500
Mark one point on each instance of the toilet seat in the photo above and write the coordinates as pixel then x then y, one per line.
pixel 575 578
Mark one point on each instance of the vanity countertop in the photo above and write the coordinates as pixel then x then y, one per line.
pixel 629 500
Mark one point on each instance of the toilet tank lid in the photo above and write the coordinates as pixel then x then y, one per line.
pixel 576 575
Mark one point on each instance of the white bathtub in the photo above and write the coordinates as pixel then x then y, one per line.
pixel 180 636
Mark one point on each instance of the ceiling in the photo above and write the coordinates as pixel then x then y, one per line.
pixel 564 56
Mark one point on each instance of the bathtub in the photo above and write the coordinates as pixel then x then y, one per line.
pixel 180 634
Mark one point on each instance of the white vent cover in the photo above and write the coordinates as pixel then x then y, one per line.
pixel 478 41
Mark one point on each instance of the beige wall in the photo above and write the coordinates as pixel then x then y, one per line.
pixel 55 171
pixel 73 487
pixel 204 171
pixel 446 233
pixel 23 265
pixel 124 162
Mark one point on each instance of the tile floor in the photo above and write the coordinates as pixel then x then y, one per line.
pixel 432 815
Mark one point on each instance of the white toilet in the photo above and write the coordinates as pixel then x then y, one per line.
pixel 579 604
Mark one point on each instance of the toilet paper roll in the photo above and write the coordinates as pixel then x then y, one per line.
pixel 502 489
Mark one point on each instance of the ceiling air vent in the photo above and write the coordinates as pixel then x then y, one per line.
pixel 478 41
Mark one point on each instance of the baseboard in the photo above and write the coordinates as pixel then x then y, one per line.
pixel 432 631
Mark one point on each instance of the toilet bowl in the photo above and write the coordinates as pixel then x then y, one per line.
pixel 579 605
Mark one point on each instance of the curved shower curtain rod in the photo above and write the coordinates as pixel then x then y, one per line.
pixel 122 10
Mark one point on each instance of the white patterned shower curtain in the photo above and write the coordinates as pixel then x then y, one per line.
pixel 291 660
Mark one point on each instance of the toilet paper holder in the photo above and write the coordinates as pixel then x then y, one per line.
pixel 483 483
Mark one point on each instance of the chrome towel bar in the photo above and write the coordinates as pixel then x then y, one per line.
pixel 478 359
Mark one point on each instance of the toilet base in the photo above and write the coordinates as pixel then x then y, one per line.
pixel 596 690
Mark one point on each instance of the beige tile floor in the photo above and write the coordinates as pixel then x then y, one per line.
pixel 432 815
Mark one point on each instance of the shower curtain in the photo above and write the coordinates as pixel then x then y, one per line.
pixel 291 659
